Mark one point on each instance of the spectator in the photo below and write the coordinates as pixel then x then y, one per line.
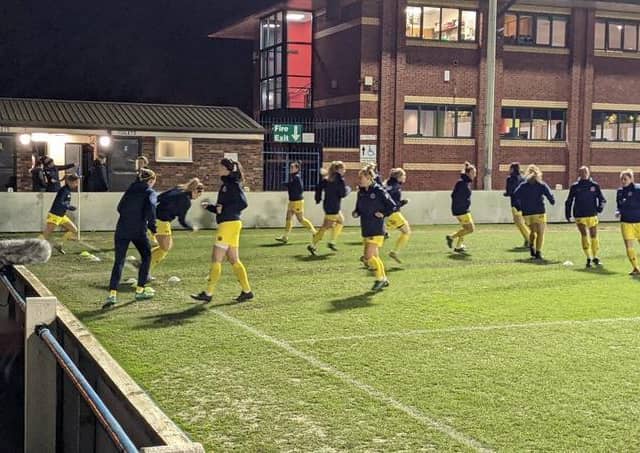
pixel 97 180
pixel 38 179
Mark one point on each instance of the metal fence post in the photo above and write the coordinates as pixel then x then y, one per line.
pixel 40 379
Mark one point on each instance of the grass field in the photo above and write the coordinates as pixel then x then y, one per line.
pixel 487 351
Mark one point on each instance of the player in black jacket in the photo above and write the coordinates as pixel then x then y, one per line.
pixel 460 207
pixel 137 209
pixel 295 189
pixel 334 189
pixel 173 203
pixel 52 173
pixel 513 181
pixel 228 210
pixel 584 203
pixel 373 205
pixel 58 213
pixel 397 221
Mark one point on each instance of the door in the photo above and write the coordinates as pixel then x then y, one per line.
pixel 7 162
pixel 122 163
pixel 73 155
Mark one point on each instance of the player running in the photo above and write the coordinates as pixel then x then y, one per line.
pixel 628 203
pixel 586 201
pixel 530 195
pixel 228 209
pixel 295 188
pixel 57 216
pixel 513 181
pixel 460 208
pixel 397 221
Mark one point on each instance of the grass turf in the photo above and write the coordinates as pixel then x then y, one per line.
pixel 439 361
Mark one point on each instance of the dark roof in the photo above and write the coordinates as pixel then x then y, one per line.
pixel 58 114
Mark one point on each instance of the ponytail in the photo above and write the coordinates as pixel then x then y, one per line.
pixel 192 185
pixel 534 174
pixel 233 166
pixel 468 168
pixel 146 175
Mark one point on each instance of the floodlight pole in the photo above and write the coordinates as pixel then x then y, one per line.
pixel 491 92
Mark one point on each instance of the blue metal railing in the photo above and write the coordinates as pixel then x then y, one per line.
pixel 101 411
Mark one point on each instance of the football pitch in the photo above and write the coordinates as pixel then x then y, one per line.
pixel 487 351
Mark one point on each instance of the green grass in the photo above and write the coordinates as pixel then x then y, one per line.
pixel 339 364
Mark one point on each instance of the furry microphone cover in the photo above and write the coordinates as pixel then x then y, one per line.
pixel 24 251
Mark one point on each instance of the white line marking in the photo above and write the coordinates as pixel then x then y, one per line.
pixel 108 254
pixel 410 333
pixel 371 391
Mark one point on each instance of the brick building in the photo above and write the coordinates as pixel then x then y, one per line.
pixel 180 141
pixel 412 75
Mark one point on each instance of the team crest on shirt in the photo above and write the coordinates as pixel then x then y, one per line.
pixel 372 196
pixel 593 189
pixel 224 188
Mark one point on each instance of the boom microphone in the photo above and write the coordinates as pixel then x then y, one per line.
pixel 24 251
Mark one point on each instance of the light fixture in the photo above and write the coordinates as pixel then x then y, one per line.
pixel 105 141
pixel 25 139
pixel 296 17
pixel 39 137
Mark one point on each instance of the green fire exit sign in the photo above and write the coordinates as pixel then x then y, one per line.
pixel 287 133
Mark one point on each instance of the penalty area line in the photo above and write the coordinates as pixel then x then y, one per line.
pixel 369 390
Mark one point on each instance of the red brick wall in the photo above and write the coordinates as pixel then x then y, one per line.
pixel 206 157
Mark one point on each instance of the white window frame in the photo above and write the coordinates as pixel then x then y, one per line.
pixel 173 139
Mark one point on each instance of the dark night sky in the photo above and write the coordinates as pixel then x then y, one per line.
pixel 124 50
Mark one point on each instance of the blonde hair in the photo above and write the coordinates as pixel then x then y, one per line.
pixel 141 162
pixel 628 172
pixel 192 185
pixel 146 175
pixel 468 168
pixel 533 174
pixel 584 172
pixel 397 173
pixel 368 172
pixel 334 167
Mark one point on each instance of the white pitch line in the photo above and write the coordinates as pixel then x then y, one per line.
pixel 371 391
pixel 411 333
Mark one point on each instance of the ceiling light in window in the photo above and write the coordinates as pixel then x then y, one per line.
pixel 25 139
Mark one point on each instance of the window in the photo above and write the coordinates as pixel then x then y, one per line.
pixel 533 124
pixel 527 29
pixel 173 150
pixel 613 34
pixel 441 24
pixel 285 60
pixel 615 126
pixel 438 121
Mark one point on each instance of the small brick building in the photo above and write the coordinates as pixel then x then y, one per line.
pixel 179 141
pixel 412 74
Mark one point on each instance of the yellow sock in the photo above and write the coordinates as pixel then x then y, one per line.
pixel 317 237
pixel 595 246
pixel 139 289
pixel 157 256
pixel 241 275
pixel 586 246
pixel 377 265
pixel 524 230
pixel 288 227
pixel 214 276
pixel 336 231
pixel 631 253
pixel 402 242
pixel 308 225
pixel 539 242
pixel 113 293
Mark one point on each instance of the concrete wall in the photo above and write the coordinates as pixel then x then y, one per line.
pixel 26 212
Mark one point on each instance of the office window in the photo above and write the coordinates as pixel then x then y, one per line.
pixel 616 35
pixel 526 29
pixel 533 124
pixel 173 150
pixel 438 121
pixel 441 24
pixel 615 126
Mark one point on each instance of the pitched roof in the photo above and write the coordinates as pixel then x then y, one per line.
pixel 62 114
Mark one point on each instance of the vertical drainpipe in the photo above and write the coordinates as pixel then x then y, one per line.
pixel 491 92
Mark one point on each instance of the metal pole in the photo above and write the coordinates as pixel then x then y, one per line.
pixel 491 92
pixel 102 412
pixel 79 206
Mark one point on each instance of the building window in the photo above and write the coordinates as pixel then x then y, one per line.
pixel 441 24
pixel 525 29
pixel 533 124
pixel 448 121
pixel 286 60
pixel 615 126
pixel 616 35
pixel 173 150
